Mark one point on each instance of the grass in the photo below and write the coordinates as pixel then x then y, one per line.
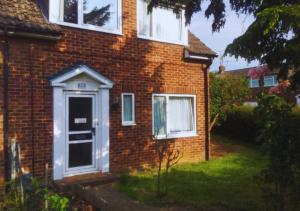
pixel 226 182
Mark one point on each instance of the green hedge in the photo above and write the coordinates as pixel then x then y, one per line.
pixel 241 124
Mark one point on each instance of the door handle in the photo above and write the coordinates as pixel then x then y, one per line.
pixel 94 131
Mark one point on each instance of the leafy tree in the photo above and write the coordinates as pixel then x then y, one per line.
pixel 280 180
pixel 226 92
pixel 272 39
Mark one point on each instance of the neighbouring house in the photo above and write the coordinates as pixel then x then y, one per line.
pixel 87 85
pixel 298 99
pixel 270 80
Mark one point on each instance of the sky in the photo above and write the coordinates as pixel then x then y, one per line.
pixel 217 41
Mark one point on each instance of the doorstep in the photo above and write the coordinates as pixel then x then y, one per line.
pixel 93 179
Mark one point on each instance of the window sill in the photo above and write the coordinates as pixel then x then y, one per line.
pixel 159 40
pixel 88 27
pixel 128 124
pixel 179 135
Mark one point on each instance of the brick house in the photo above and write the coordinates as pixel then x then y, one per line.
pixel 270 80
pixel 85 85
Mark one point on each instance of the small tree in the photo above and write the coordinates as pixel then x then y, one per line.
pixel 225 93
pixel 167 154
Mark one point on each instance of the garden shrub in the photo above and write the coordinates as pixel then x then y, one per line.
pixel 280 180
pixel 242 125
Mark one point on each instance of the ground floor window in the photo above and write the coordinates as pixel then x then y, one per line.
pixel 128 113
pixel 174 115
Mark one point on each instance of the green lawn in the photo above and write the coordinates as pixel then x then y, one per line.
pixel 224 182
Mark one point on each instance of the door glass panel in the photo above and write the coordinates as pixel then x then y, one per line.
pixel 80 113
pixel 80 155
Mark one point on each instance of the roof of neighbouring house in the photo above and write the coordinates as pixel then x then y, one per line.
pixel 196 46
pixel 25 16
pixel 245 71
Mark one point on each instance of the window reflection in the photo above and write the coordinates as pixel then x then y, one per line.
pixel 70 11
pixel 99 13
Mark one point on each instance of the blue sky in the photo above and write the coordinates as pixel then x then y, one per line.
pixel 235 26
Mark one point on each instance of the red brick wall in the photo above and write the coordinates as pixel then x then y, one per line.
pixel 134 65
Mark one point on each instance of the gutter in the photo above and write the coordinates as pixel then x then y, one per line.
pixel 188 55
pixel 30 35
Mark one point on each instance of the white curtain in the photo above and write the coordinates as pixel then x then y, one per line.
pixel 159 115
pixel 127 110
pixel 181 114
pixel 144 19
pixel 166 25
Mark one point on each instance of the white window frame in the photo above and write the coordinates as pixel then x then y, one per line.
pixel 169 135
pixel 251 83
pixel 184 30
pixel 128 123
pixel 274 83
pixel 273 78
pixel 54 8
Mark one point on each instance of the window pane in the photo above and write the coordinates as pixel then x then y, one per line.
pixel 69 11
pixel 254 83
pixel 269 80
pixel 166 25
pixel 80 113
pixel 102 13
pixel 80 154
pixel 144 19
pixel 127 110
pixel 181 114
pixel 159 115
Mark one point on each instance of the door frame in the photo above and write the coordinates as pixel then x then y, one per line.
pixel 95 142
pixel 80 79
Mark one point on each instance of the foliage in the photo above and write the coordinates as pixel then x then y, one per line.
pixel 225 93
pixel 272 39
pixel 280 180
pixel 240 124
pixel 220 184
pixel 32 196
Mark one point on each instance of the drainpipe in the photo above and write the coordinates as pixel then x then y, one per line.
pixel 32 108
pixel 5 104
pixel 207 112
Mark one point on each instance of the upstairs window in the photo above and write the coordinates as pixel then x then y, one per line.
pixel 254 83
pixel 100 15
pixel 161 25
pixel 268 81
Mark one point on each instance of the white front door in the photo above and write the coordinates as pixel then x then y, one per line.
pixel 81 124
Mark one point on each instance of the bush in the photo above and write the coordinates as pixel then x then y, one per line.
pixel 242 125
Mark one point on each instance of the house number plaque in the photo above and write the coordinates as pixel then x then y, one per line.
pixel 81 85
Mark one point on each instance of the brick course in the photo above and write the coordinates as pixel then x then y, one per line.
pixel 134 65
